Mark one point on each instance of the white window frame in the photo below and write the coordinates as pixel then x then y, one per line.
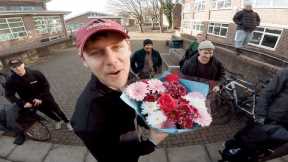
pixel 186 26
pixel 199 5
pixel 13 33
pixel 41 21
pixel 196 25
pixel 254 2
pixel 221 27
pixel 266 33
pixel 217 3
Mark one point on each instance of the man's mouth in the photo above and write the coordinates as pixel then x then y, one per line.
pixel 114 72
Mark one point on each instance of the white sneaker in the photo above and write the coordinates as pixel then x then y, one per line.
pixel 58 125
pixel 69 126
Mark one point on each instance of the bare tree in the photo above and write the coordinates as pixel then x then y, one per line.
pixel 153 8
pixel 133 7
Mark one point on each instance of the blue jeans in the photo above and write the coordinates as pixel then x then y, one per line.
pixel 242 38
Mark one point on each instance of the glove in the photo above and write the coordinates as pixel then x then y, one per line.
pixel 260 120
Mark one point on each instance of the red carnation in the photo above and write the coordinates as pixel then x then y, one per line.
pixel 166 102
pixel 172 78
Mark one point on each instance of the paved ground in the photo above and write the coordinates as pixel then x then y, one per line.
pixel 68 77
pixel 32 151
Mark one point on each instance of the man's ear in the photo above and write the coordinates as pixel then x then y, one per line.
pixel 83 60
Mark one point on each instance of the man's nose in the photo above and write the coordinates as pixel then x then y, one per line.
pixel 111 57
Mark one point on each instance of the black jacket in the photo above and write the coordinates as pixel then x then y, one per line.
pixel 273 101
pixel 30 86
pixel 246 20
pixel 106 125
pixel 138 60
pixel 216 72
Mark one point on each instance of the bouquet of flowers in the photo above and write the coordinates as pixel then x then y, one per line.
pixel 170 104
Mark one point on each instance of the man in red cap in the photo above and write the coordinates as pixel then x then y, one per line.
pixel 106 125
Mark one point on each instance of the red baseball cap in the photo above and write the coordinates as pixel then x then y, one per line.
pixel 97 26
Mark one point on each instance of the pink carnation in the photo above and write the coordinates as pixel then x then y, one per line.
pixel 137 91
pixel 155 85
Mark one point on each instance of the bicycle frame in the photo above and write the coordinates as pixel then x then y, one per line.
pixel 231 87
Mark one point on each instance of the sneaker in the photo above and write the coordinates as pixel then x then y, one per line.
pixel 69 127
pixel 20 139
pixel 58 125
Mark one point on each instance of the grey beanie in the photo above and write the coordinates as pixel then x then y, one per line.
pixel 206 45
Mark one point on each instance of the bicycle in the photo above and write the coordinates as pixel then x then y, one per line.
pixel 237 96
pixel 34 125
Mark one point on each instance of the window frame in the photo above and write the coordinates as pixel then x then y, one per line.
pixel 221 27
pixel 49 28
pixel 272 4
pixel 11 32
pixel 267 33
pixel 201 3
pixel 197 24
pixel 216 4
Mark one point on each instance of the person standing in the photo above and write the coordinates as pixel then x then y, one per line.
pixel 192 49
pixel 33 90
pixel 246 20
pixel 146 62
pixel 106 124
pixel 205 65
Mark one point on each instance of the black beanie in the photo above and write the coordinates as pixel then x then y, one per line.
pixel 147 41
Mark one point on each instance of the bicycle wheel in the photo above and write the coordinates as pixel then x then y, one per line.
pixel 38 131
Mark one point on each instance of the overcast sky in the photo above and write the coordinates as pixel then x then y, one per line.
pixel 78 6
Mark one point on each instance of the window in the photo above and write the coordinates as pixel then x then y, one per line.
pixel 197 27
pixel 186 27
pixel 268 3
pixel 199 5
pixel 188 7
pixel 74 26
pixel 266 37
pixel 12 28
pixel 48 24
pixel 220 4
pixel 218 29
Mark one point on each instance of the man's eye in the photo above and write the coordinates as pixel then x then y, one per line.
pixel 117 47
pixel 95 53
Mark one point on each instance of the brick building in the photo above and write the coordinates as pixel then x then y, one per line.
pixel 26 24
pixel 214 19
pixel 76 22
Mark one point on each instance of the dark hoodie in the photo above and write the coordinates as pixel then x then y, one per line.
pixel 246 20
pixel 106 125
pixel 30 86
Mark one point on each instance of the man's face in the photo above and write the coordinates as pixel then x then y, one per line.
pixel 148 48
pixel 205 55
pixel 199 38
pixel 19 70
pixel 108 58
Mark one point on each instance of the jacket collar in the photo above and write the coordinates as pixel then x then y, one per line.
pixel 98 88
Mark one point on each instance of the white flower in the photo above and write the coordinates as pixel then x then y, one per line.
pixel 195 101
pixel 149 107
pixel 156 119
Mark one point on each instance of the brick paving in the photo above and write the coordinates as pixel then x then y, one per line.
pixel 67 77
